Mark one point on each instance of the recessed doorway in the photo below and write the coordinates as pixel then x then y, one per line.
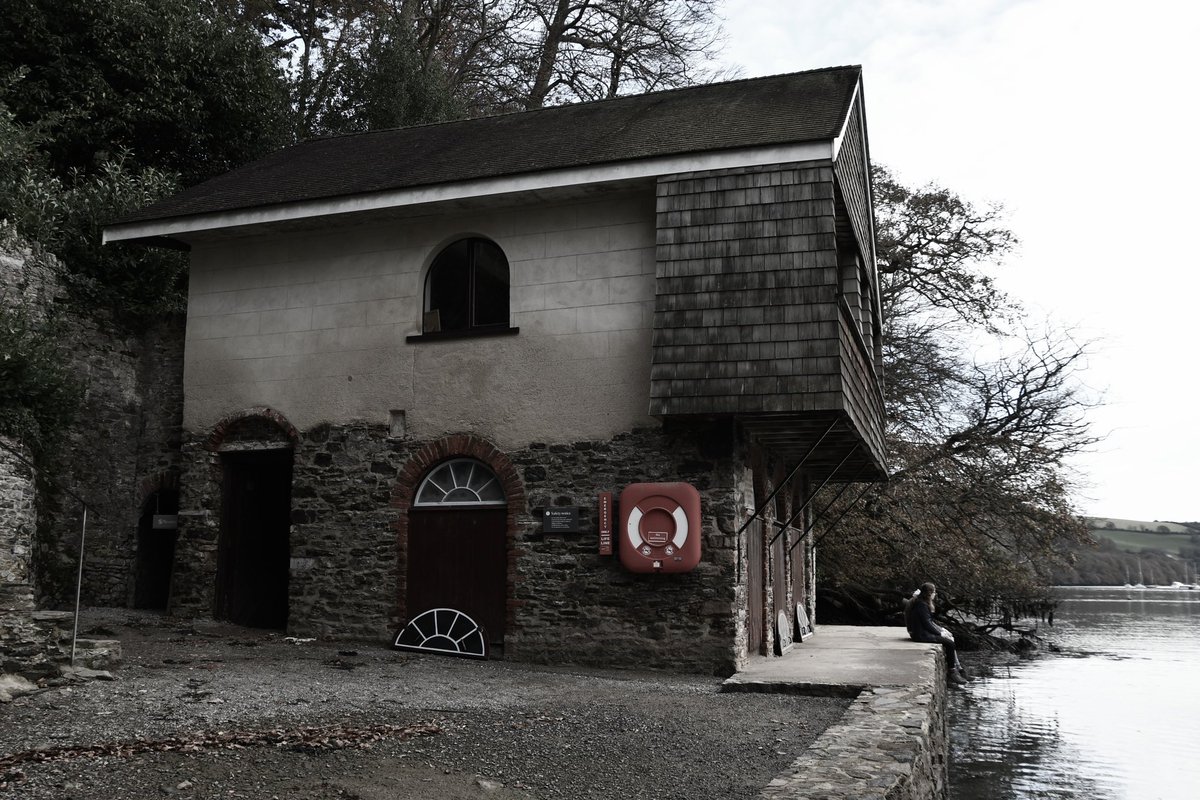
pixel 253 552
pixel 156 538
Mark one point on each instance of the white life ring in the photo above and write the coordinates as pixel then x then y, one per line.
pixel 634 520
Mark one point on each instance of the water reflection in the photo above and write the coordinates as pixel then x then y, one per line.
pixel 1115 716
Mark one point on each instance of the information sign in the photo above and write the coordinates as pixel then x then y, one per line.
pixel 164 522
pixel 561 520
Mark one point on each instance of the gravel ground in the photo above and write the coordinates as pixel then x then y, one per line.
pixel 492 729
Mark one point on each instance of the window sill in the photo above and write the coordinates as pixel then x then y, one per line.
pixel 471 333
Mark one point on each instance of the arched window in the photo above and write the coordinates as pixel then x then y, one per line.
pixel 467 288
pixel 460 482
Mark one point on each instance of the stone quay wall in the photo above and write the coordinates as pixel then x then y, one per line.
pixel 566 603
pixel 892 744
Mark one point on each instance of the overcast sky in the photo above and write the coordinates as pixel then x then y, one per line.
pixel 1080 117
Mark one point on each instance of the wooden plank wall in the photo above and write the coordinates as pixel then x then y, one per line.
pixel 746 315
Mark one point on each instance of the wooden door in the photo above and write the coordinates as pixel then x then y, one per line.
pixel 755 567
pixel 457 559
pixel 254 553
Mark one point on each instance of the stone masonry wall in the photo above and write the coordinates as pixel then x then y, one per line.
pixel 124 439
pixel 581 607
pixel 567 604
pixel 892 744
pixel 18 514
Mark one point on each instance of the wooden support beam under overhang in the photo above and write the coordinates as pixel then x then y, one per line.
pixel 842 455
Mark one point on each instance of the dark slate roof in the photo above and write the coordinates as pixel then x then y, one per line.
pixel 781 109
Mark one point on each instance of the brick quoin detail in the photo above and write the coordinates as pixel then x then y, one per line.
pixel 457 446
pixel 217 437
pixel 166 480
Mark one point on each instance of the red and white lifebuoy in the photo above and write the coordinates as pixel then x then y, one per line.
pixel 633 525
pixel 661 531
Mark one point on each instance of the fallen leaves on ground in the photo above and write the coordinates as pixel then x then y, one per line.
pixel 327 737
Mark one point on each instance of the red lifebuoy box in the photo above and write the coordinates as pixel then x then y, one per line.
pixel 659 528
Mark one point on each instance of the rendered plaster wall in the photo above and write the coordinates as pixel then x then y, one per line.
pixel 313 324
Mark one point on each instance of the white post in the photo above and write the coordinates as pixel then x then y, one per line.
pixel 78 585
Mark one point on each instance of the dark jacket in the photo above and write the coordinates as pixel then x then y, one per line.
pixel 919 621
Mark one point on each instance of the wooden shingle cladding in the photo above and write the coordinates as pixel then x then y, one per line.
pixel 862 393
pixel 749 316
pixel 853 182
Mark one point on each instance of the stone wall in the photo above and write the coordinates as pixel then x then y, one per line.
pixel 567 604
pixel 18 514
pixel 123 441
pixel 581 607
pixel 22 644
pixel 892 744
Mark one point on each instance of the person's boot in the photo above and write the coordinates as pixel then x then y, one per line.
pixel 956 678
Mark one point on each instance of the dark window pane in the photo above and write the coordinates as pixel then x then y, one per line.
pixel 491 284
pixel 449 286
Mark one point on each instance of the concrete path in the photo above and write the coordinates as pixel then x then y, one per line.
pixel 891 744
pixel 840 660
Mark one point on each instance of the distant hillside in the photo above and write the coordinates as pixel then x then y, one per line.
pixel 1155 526
pixel 1161 552
pixel 1135 536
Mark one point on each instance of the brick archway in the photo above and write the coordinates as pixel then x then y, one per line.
pixel 259 414
pixel 161 481
pixel 419 465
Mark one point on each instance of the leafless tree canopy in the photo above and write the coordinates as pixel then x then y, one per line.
pixel 489 56
pixel 984 415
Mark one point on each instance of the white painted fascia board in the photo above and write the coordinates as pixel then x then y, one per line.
pixel 850 110
pixel 463 190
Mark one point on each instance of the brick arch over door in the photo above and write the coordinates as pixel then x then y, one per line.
pixel 167 480
pixel 234 423
pixel 424 460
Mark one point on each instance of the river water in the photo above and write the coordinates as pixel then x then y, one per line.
pixel 1114 716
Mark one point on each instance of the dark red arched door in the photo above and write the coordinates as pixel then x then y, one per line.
pixel 457 546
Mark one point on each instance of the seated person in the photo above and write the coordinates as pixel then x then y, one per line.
pixel 918 618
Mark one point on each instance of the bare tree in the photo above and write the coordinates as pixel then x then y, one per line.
pixel 491 55
pixel 979 498
pixel 592 49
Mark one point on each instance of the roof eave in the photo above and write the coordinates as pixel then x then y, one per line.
pixel 179 227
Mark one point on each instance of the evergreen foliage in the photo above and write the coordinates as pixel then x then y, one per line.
pixel 109 105
pixel 176 85
pixel 389 86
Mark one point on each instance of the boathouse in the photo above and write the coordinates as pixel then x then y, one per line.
pixel 422 365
